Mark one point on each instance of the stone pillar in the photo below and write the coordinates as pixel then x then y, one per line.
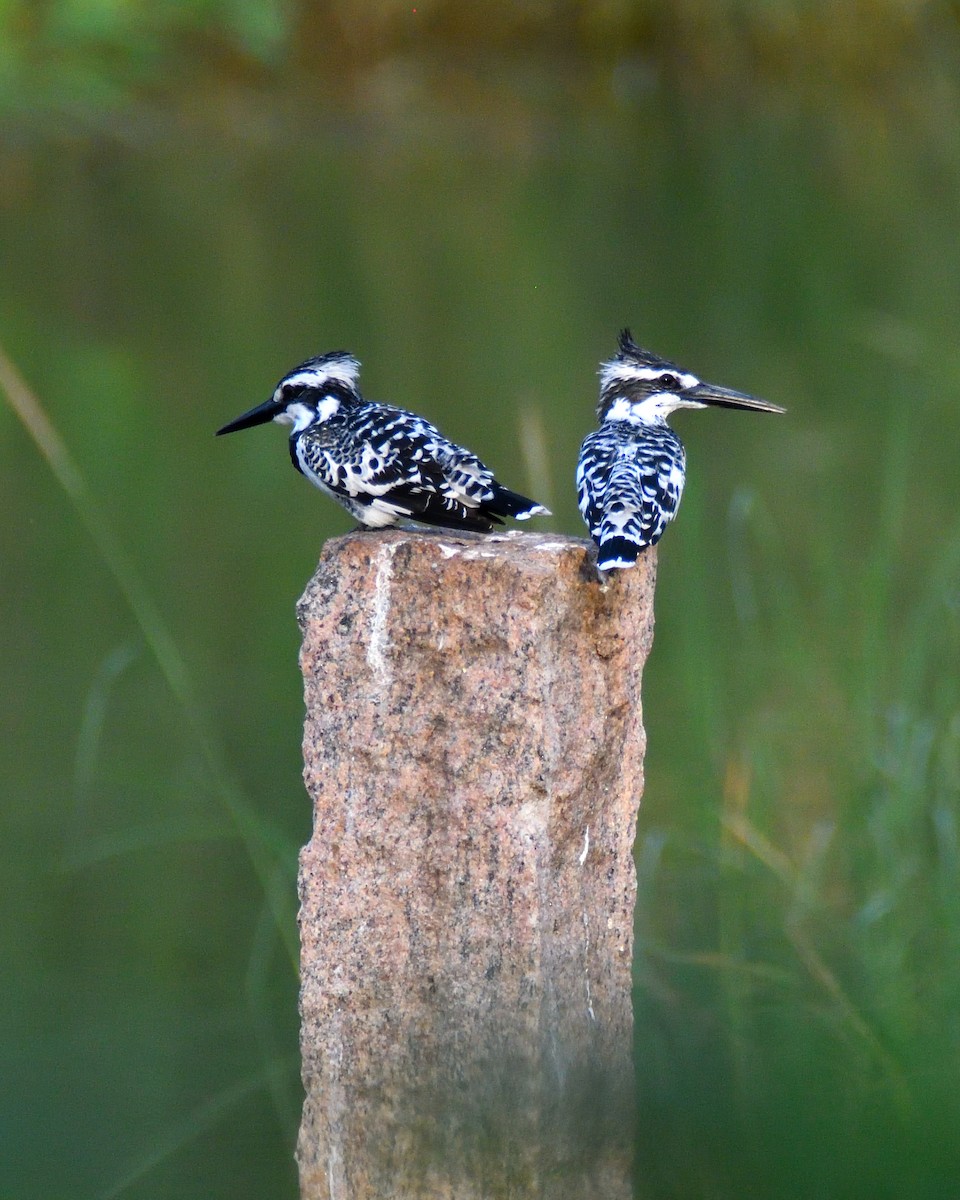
pixel 474 752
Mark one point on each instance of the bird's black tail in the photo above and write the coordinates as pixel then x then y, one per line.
pixel 617 552
pixel 511 504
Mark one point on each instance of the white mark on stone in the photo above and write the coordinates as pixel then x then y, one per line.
pixel 586 846
pixel 551 545
pixel 376 657
pixel 335 1108
pixel 448 551
pixel 586 965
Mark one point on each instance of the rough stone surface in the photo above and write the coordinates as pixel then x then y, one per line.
pixel 474 751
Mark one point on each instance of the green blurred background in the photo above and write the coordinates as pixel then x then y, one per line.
pixel 473 199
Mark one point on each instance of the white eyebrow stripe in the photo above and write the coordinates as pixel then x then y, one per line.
pixel 322 376
pixel 618 372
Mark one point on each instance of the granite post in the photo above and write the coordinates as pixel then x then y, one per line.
pixel 474 751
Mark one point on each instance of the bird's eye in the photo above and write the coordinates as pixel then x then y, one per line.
pixel 668 382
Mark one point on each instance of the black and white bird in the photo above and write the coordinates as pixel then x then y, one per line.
pixel 631 470
pixel 383 464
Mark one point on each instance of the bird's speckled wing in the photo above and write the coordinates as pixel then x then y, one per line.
pixel 386 464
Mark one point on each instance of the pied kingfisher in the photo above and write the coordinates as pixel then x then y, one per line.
pixel 383 464
pixel 631 470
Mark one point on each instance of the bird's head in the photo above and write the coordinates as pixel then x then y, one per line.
pixel 307 395
pixel 642 388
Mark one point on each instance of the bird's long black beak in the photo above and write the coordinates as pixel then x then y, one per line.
pixel 256 416
pixel 721 397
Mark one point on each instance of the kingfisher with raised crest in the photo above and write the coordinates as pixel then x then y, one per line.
pixel 383 464
pixel 631 470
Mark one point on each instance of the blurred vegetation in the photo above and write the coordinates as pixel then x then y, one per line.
pixel 81 58
pixel 475 199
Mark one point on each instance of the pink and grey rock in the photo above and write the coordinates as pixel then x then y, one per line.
pixel 474 752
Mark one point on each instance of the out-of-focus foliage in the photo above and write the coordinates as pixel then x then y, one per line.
pixel 90 55
pixel 99 53
pixel 474 199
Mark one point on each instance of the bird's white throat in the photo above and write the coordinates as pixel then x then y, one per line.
pixel 301 416
pixel 651 410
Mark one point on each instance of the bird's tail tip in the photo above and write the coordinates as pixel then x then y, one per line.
pixel 511 504
pixel 535 510
pixel 617 553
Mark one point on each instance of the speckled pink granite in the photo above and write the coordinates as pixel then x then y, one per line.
pixel 474 751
